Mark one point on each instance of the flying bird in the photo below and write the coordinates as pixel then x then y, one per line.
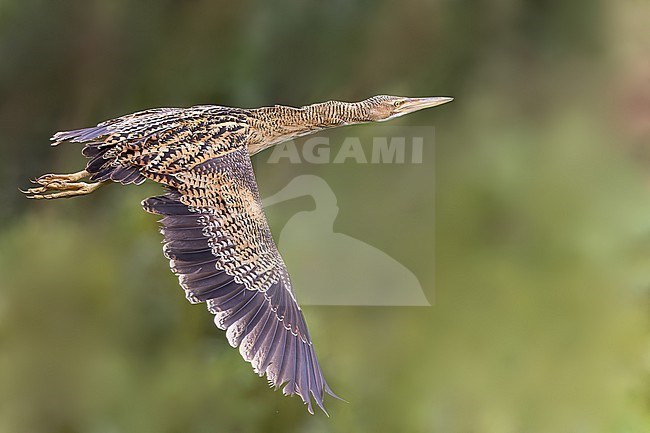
pixel 216 236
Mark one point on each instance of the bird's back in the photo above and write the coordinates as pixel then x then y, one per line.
pixel 154 144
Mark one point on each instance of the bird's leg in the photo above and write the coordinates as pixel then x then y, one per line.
pixel 61 186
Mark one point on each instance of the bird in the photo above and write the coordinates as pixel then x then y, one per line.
pixel 215 233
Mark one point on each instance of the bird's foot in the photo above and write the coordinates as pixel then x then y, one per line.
pixel 61 186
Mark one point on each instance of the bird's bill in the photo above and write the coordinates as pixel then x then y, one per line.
pixel 415 104
pixel 286 193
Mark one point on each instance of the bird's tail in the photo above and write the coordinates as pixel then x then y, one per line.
pixel 101 149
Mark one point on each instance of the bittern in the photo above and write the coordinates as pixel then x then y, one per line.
pixel 216 236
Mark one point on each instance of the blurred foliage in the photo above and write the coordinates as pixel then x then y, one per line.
pixel 537 248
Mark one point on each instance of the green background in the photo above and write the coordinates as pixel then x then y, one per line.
pixel 535 235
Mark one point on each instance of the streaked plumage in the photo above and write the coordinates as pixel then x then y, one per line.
pixel 215 232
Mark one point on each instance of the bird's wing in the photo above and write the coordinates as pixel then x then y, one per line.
pixel 219 244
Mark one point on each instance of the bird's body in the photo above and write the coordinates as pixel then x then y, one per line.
pixel 216 235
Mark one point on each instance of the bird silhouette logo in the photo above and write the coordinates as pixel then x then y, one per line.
pixel 365 275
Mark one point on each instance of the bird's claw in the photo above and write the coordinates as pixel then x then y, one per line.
pixel 50 178
pixel 60 186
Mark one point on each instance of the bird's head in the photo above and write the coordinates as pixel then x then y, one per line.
pixel 385 107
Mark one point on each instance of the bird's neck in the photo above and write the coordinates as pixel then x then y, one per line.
pixel 274 125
